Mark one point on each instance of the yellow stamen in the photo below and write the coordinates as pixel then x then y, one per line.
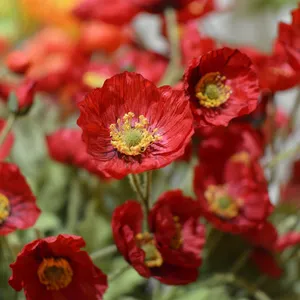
pixel 55 273
pixel 4 208
pixel 211 90
pixel 146 242
pixel 132 138
pixel 177 238
pixel 221 203
pixel 243 157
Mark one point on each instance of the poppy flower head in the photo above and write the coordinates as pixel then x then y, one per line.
pixel 56 267
pixel 221 85
pixel 131 126
pixel 18 208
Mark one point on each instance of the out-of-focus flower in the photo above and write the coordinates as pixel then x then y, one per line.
pixel 287 240
pixel 131 126
pixel 158 6
pixel 149 64
pixel 99 36
pixel 18 62
pixel 274 71
pixel 7 144
pixel 289 36
pixel 18 208
pixel 171 253
pixel 221 85
pixel 117 12
pixel 24 93
pixel 66 146
pixel 194 44
pixel 57 268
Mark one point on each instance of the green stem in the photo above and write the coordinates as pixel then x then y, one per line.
pixel 101 253
pixel 214 242
pixel 173 72
pixel 8 126
pixel 148 185
pixel 241 261
pixel 118 273
pixel 74 204
pixel 282 156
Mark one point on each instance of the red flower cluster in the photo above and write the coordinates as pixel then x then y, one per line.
pixel 18 208
pixel 171 252
pixel 131 126
pixel 221 85
pixel 229 182
pixel 56 268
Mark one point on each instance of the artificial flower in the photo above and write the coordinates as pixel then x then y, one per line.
pixel 57 268
pixel 221 85
pixel 131 126
pixel 171 251
pixel 18 209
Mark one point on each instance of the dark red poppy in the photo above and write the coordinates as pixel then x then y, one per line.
pixel 149 64
pixel 158 6
pixel 264 241
pixel 24 93
pixel 131 126
pixel 194 44
pixel 7 144
pixel 232 192
pixel 18 208
pixel 66 146
pixel 221 85
pixel 117 12
pixel 57 268
pixel 171 252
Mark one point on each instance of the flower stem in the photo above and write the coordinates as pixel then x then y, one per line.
pixel 241 261
pixel 9 124
pixel 148 185
pixel 173 72
pixel 101 253
pixel 214 241
pixel 118 273
pixel 282 156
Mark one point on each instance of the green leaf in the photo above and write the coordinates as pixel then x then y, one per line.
pixel 206 294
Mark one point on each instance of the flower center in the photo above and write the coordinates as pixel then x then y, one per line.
pixel 4 208
pixel 55 273
pixel 177 238
pixel 211 90
pixel 146 242
pixel 132 138
pixel 221 203
pixel 241 157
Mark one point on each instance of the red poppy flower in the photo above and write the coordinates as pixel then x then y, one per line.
pixel 56 268
pixel 149 64
pixel 131 126
pixel 18 61
pixel 24 93
pixel 158 6
pixel 264 240
pixel 274 71
pixel 7 144
pixel 171 253
pixel 289 37
pixel 233 197
pixel 66 146
pixel 194 44
pixel 117 12
pixel 221 85
pixel 18 208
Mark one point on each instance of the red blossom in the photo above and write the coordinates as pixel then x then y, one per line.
pixel 57 268
pixel 66 146
pixel 18 62
pixel 117 12
pixel 18 208
pixel 131 126
pixel 221 85
pixel 5 148
pixel 171 253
